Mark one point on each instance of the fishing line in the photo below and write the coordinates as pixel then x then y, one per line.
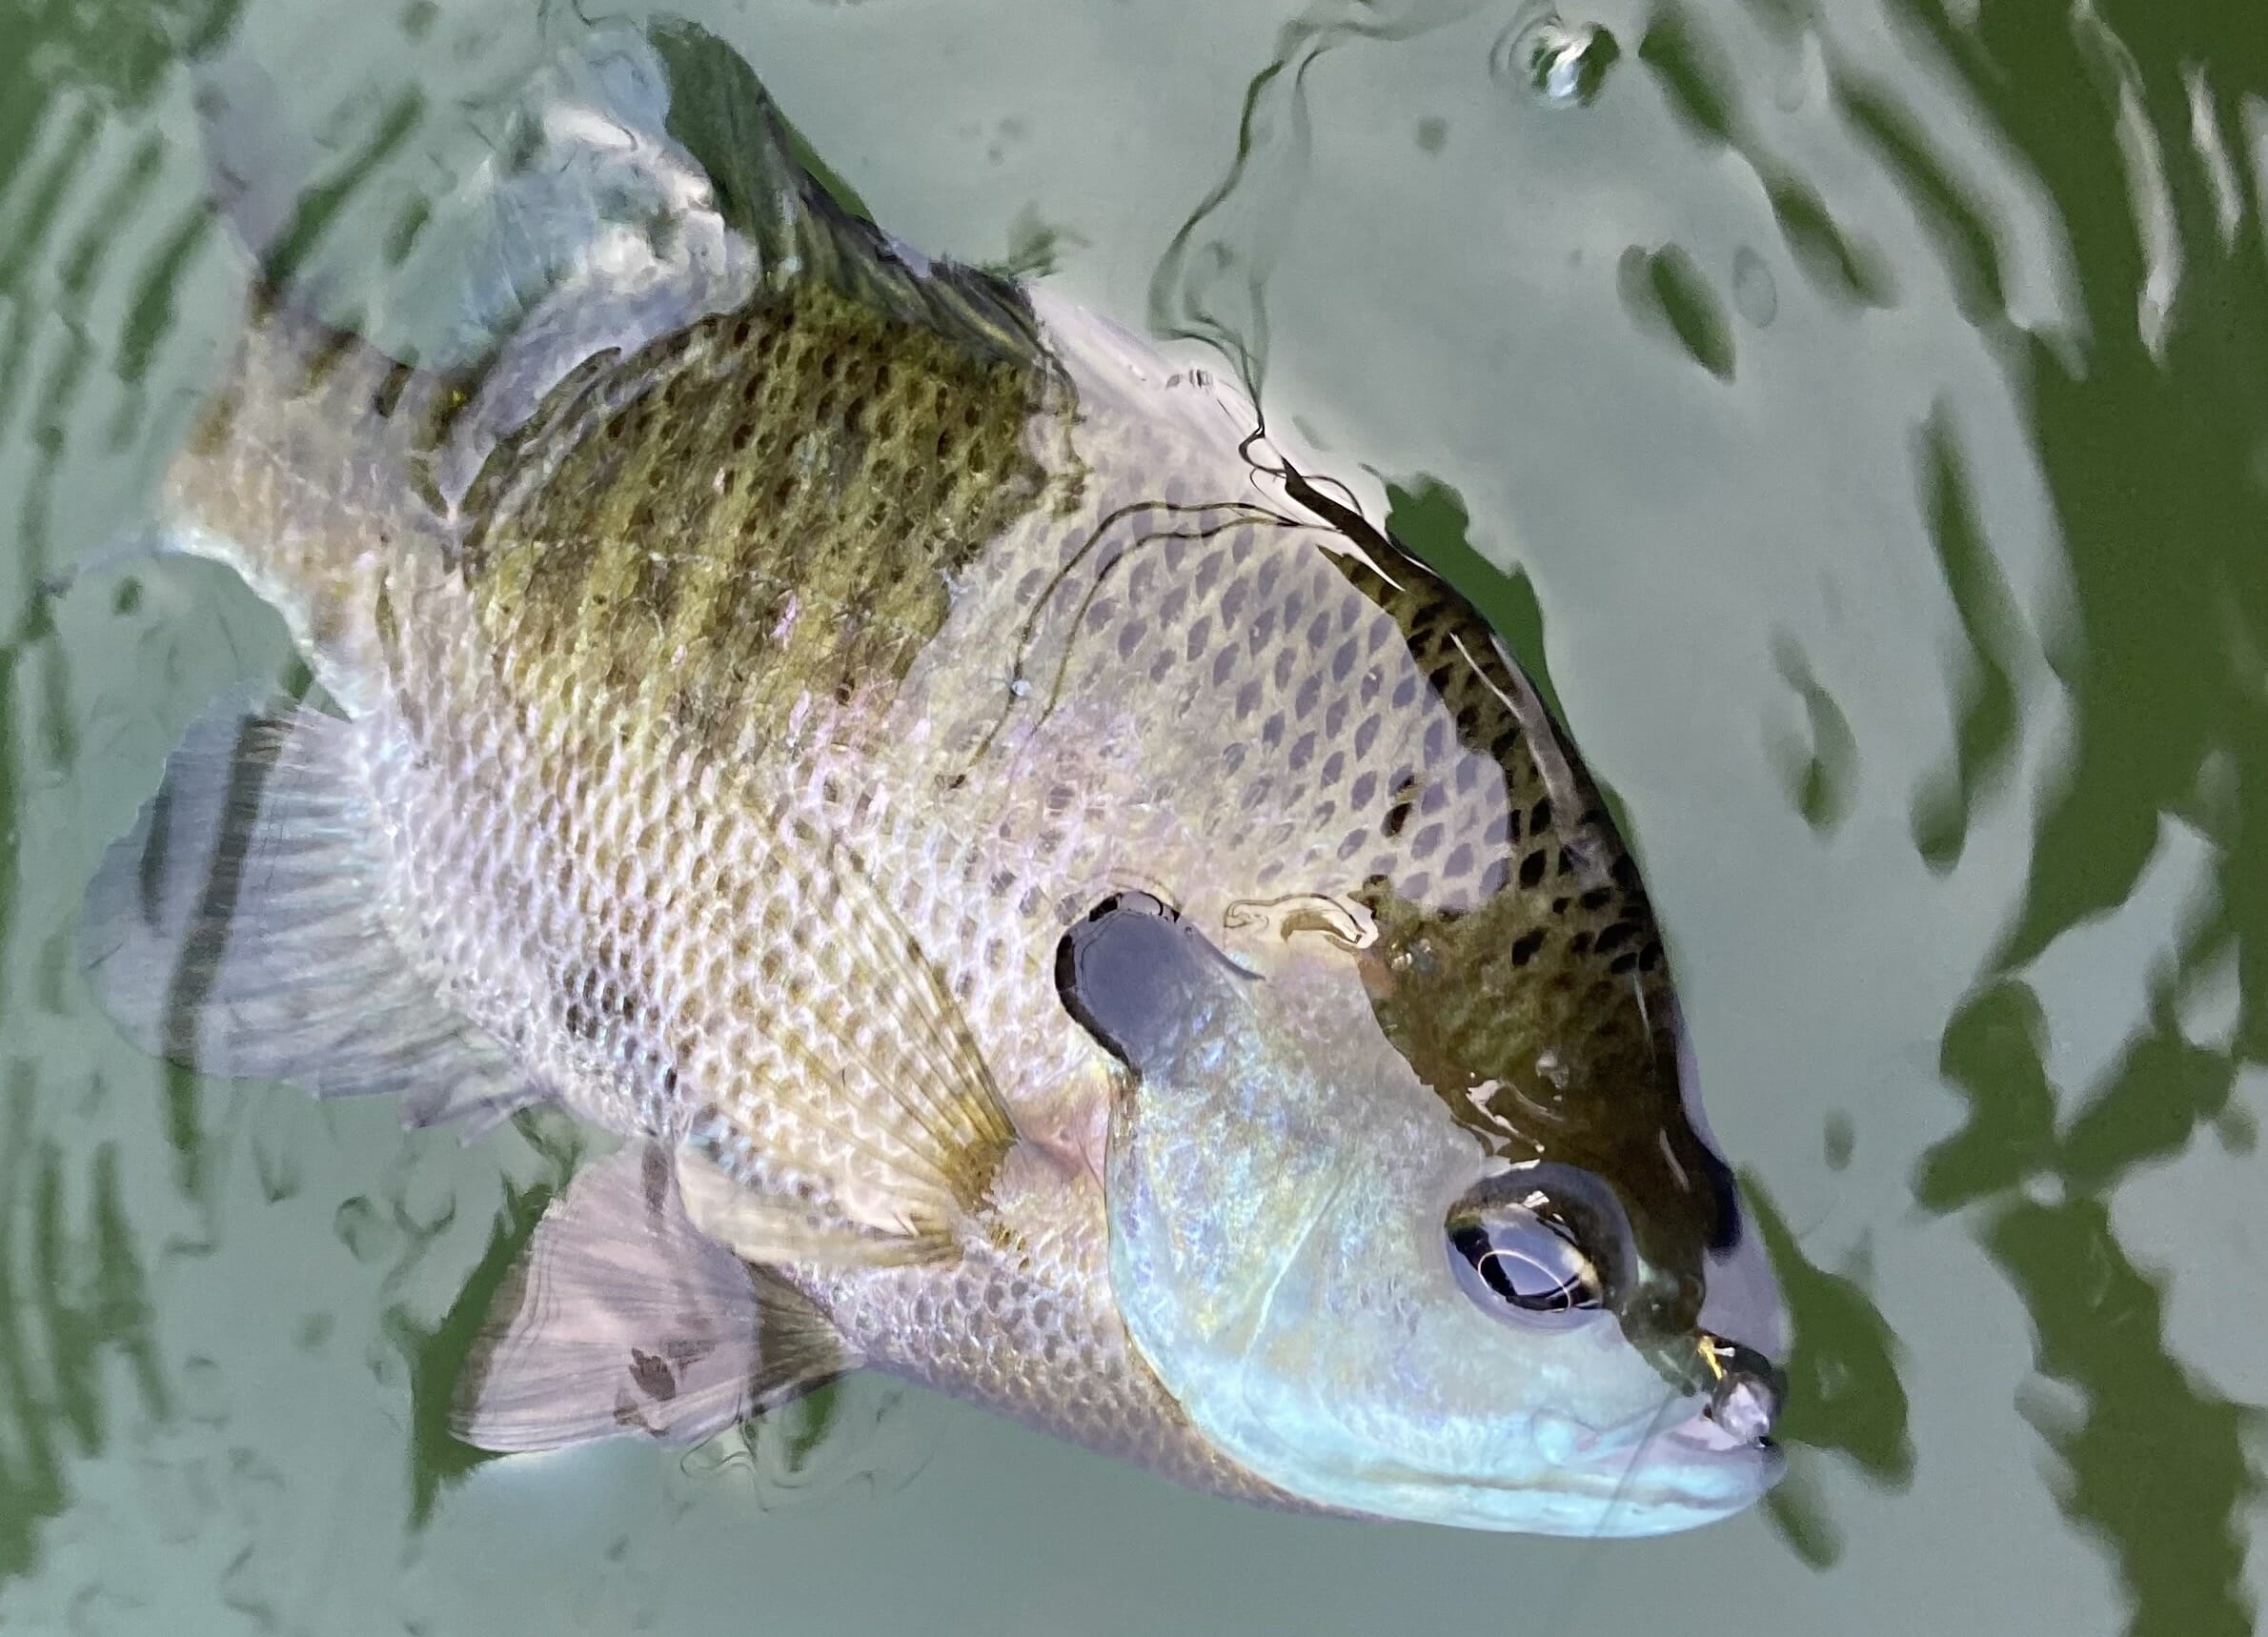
pixel 1237 512
pixel 1562 1606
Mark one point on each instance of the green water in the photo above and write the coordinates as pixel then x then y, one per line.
pixel 1870 399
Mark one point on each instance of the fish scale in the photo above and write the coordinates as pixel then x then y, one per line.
pixel 857 463
pixel 818 646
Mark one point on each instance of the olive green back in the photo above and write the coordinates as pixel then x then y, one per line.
pixel 770 503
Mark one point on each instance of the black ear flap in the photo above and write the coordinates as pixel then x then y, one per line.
pixel 1139 979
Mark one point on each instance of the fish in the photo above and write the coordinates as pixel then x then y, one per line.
pixel 1045 896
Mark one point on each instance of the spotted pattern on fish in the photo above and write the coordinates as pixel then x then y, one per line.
pixel 1562 948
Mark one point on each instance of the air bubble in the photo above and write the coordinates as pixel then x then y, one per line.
pixel 1564 65
pixel 1755 293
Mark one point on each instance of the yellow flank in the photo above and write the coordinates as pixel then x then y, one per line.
pixel 771 503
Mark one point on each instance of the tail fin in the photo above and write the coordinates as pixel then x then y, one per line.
pixel 321 456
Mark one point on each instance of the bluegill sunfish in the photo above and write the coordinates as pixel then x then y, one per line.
pixel 1061 905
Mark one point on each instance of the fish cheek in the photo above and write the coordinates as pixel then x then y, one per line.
pixel 1218 1152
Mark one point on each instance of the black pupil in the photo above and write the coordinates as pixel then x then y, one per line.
pixel 1526 1261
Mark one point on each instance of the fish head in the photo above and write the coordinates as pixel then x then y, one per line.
pixel 1379 1293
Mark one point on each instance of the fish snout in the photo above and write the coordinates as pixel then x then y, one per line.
pixel 1745 1392
pixel 1733 1403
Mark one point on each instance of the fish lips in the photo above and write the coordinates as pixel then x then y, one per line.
pixel 1679 1470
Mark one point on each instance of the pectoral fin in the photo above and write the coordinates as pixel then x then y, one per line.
pixel 623 1317
pixel 764 1226
pixel 869 1126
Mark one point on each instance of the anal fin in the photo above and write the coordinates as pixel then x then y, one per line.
pixel 235 929
pixel 624 1318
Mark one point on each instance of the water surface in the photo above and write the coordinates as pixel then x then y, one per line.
pixel 1858 407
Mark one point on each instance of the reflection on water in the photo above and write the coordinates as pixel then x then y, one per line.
pixel 2148 428
pixel 2153 1459
pixel 1700 82
pixel 435 1352
pixel 1211 284
pixel 1665 294
pixel 1818 767
pixel 78 1347
pixel 1843 1390
pixel 2147 425
pixel 1983 668
pixel 2144 124
pixel 72 1299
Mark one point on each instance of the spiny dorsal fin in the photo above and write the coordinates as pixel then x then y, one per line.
pixel 622 1318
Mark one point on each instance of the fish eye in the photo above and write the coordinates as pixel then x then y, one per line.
pixel 1524 1260
pixel 1541 1240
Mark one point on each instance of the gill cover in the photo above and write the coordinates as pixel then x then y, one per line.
pixel 1280 1186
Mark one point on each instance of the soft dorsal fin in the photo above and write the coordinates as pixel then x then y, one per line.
pixel 765 189
pixel 659 186
pixel 622 1318
pixel 638 180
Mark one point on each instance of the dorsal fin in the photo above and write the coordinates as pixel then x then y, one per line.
pixel 644 182
pixel 765 191
pixel 658 185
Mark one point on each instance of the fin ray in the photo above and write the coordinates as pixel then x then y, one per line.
pixel 895 1127
pixel 623 1317
pixel 233 929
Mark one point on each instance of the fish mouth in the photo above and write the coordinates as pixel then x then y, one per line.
pixel 1671 1479
pixel 1619 1483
